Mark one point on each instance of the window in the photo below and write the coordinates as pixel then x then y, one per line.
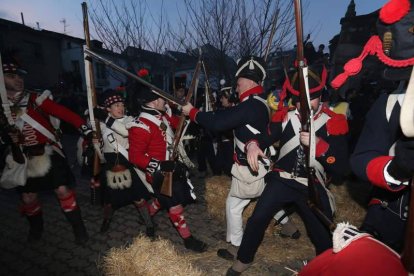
pixel 100 71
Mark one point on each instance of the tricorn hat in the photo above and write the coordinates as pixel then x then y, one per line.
pixel 252 68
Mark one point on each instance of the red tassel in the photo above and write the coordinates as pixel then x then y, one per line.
pixel 337 125
pixel 339 80
pixel 280 115
pixel 394 10
pixel 353 66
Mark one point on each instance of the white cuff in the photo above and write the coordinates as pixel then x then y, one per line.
pixel 391 180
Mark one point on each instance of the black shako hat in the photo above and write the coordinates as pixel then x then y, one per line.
pixel 252 68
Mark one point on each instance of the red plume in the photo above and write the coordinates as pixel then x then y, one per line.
pixel 143 73
pixel 394 10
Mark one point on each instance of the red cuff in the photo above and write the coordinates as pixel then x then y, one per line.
pixel 249 142
pixel 321 147
pixel 193 114
pixel 375 173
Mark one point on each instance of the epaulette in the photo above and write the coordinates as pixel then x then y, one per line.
pixel 337 124
pixel 137 123
pixel 280 115
pixel 344 235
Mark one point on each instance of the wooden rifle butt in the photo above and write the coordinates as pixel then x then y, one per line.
pixel 322 217
pixel 407 256
pixel 166 187
pixel 96 165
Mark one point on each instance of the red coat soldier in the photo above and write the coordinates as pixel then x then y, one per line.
pixel 150 143
pixel 48 169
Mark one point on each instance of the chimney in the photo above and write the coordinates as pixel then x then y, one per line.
pixel 21 15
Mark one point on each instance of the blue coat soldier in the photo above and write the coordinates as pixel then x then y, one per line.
pixel 287 183
pixel 249 117
pixel 383 155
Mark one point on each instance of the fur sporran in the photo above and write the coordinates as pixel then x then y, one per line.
pixel 119 177
pixel 39 165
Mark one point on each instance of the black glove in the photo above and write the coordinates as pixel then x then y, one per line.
pixel 402 166
pixel 167 166
pixel 86 132
pixel 100 113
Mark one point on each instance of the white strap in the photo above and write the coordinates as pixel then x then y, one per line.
pixel 4 99
pixel 36 125
pixel 407 114
pixel 295 141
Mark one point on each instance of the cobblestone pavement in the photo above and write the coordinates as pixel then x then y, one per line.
pixel 57 254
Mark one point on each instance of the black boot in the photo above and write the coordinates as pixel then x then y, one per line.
pixel 145 215
pixel 36 227
pixel 75 219
pixel 195 245
pixel 108 214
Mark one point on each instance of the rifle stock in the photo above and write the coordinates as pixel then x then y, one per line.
pixel 92 101
pixel 166 187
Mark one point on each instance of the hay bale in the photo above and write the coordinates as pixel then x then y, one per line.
pixel 144 257
pixel 347 209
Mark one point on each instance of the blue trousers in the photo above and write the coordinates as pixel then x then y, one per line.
pixel 277 193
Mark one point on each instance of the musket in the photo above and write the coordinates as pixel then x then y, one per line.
pixel 272 33
pixel 92 102
pixel 407 127
pixel 153 88
pixel 210 106
pixel 166 187
pixel 306 118
pixel 15 148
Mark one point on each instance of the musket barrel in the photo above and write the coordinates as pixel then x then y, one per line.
pixel 154 89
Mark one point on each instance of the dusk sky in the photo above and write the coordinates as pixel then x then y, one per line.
pixel 322 17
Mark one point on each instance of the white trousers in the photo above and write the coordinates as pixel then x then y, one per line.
pixel 234 218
